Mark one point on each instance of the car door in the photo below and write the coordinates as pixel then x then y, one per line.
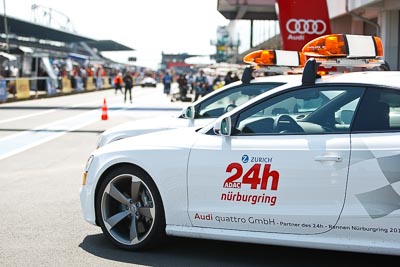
pixel 271 174
pixel 374 172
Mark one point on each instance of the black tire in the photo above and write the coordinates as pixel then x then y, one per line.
pixel 128 197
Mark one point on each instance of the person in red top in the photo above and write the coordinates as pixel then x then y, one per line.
pixel 118 82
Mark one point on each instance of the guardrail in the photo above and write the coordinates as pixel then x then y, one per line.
pixel 20 88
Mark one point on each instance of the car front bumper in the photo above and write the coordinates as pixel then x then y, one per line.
pixel 87 204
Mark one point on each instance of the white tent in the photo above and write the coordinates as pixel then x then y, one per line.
pixel 200 60
pixel 8 56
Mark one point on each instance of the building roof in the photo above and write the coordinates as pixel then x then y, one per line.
pixel 21 28
pixel 247 9
pixel 108 45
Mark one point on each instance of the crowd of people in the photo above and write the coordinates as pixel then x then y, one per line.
pixel 198 84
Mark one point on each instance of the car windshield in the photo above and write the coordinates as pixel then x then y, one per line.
pixel 218 104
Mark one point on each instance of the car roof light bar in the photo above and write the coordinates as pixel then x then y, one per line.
pixel 344 46
pixel 342 50
pixel 275 58
pixel 310 73
pixel 346 50
pixel 247 75
pixel 278 61
pixel 350 63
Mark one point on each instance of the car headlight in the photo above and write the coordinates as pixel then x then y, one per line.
pixel 88 163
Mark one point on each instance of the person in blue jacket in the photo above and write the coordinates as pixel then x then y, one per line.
pixel 167 80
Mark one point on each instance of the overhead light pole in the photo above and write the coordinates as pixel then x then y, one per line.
pixel 6 26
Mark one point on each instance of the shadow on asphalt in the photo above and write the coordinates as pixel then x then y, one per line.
pixel 198 252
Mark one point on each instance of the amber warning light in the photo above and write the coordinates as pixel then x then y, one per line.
pixel 275 58
pixel 278 61
pixel 344 46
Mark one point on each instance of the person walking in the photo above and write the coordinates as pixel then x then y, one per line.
pixel 118 82
pixel 128 81
pixel 228 78
pixel 183 86
pixel 217 82
pixel 191 80
pixel 201 85
pixel 167 80
pixel 235 77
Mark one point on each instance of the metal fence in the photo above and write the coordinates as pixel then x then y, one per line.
pixel 19 88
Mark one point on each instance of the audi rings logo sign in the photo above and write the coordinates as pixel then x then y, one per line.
pixel 306 26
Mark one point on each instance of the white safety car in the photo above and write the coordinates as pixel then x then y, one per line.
pixel 148 82
pixel 218 102
pixel 313 163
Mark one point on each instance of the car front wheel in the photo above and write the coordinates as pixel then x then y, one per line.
pixel 129 209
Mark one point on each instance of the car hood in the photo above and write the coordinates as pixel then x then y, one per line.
pixel 134 128
pixel 158 122
pixel 149 79
pixel 163 140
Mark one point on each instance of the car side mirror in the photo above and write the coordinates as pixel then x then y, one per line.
pixel 189 112
pixel 223 126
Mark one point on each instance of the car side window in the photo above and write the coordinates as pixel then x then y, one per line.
pixel 302 111
pixel 379 111
pixel 219 104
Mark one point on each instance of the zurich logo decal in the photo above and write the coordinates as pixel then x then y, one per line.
pixel 245 158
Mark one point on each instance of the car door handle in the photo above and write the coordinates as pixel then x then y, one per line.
pixel 328 158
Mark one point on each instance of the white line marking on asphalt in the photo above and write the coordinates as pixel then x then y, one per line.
pixel 19 142
pixel 13 144
pixel 28 116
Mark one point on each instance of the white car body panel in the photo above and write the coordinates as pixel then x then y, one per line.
pixel 148 81
pixel 150 125
pixel 140 151
pixel 378 193
pixel 329 241
pixel 291 164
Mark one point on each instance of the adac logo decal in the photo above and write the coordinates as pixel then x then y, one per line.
pixel 257 176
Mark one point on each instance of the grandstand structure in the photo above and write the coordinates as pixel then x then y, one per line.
pixel 25 43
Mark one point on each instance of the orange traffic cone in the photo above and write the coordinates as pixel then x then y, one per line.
pixel 104 115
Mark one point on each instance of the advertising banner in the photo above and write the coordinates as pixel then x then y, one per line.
pixel 66 85
pixel 301 21
pixel 3 90
pixel 22 86
pixel 106 82
pixel 90 84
